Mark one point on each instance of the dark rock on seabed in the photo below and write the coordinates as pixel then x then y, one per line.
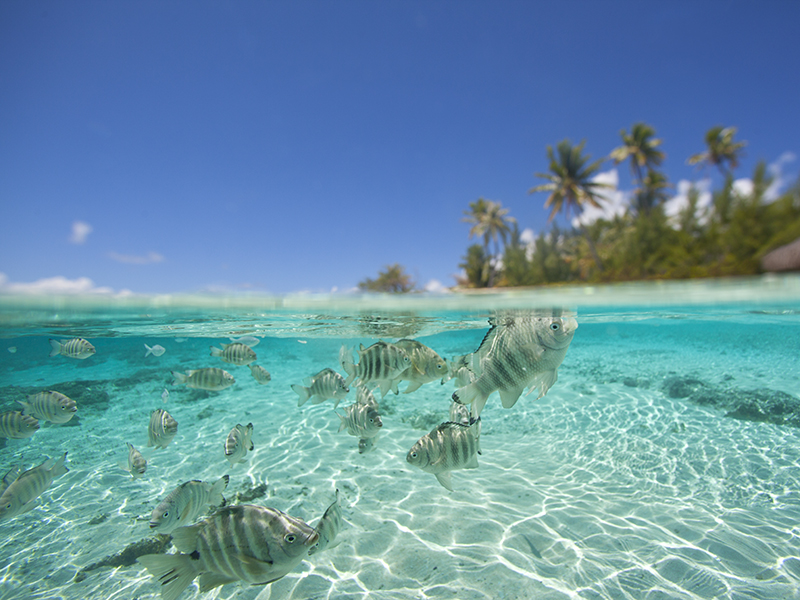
pixel 128 556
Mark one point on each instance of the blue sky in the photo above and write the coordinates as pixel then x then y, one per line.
pixel 290 146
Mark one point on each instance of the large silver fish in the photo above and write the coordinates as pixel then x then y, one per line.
pixel 238 443
pixel 250 543
pixel 426 365
pixel 362 418
pixel 50 406
pixel 20 494
pixel 448 447
pixel 325 384
pixel 185 503
pixel 137 464
pixel 328 526
pixel 211 379
pixel 519 351
pixel 235 354
pixel 260 374
pixel 162 429
pixel 15 425
pixel 74 348
pixel 378 365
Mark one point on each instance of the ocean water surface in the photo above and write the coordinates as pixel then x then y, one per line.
pixel 664 463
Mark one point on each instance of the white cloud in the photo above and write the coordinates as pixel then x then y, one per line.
pixel 780 178
pixel 613 200
pixel 56 285
pixel 434 286
pixel 680 201
pixel 150 258
pixel 80 231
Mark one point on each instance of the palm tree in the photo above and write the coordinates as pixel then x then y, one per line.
pixel 491 223
pixel 393 279
pixel 721 150
pixel 571 185
pixel 640 147
pixel 652 193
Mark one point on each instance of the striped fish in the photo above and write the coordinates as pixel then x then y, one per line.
pixel 325 384
pixel 362 418
pixel 460 369
pixel 137 465
pixel 519 351
pixel 235 354
pixel 20 495
pixel 449 447
pixel 162 429
pixel 328 526
pixel 260 374
pixel 379 364
pixel 50 406
pixel 459 413
pixel 185 503
pixel 238 443
pixel 211 379
pixel 426 365
pixel 366 444
pixel 15 425
pixel 10 478
pixel 74 348
pixel 250 543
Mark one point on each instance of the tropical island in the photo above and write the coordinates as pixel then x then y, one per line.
pixel 729 235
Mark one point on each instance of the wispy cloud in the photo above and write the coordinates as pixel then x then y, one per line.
pixel 130 259
pixel 80 231
pixel 56 285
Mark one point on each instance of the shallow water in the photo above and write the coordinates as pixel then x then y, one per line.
pixel 627 480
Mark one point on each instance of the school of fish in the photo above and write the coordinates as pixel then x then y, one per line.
pixel 256 544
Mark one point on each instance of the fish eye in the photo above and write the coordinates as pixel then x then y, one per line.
pixel 555 326
pixel 413 455
pixel 290 538
pixel 166 514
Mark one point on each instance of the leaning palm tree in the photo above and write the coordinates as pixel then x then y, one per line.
pixel 722 150
pixel 641 148
pixel 489 222
pixel 571 185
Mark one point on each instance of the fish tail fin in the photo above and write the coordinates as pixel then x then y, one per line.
pixel 55 347
pixel 343 424
pixel 149 351
pixel 58 468
pixel 173 571
pixel 179 377
pixel 216 498
pixel 346 360
pixel 25 407
pixel 471 394
pixel 215 351
pixel 303 392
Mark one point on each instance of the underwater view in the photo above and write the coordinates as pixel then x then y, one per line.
pixel 625 442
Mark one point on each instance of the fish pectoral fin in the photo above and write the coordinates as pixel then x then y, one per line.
pixel 28 507
pixel 208 581
pixel 259 570
pixel 444 479
pixel 544 382
pixel 187 510
pixel 509 397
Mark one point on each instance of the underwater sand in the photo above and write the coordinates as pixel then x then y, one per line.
pixel 605 488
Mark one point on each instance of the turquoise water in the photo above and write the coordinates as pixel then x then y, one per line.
pixel 662 464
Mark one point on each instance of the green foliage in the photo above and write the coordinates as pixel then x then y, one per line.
pixel 490 222
pixel 721 150
pixel 476 266
pixel 393 279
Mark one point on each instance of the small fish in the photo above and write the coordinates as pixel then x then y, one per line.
pixel 247 340
pixel 162 429
pixel 211 379
pixel 16 426
pixel 459 413
pixel 238 443
pixel 20 494
pixel 235 354
pixel 74 348
pixel 448 447
pixel 137 464
pixel 460 370
pixel 325 384
pixel 165 395
pixel 328 527
pixel 180 340
pixel 260 374
pixel 362 418
pixel 366 444
pixel 426 365
pixel 50 406
pixel 185 503
pixel 12 349
pixel 155 350
pixel 520 350
pixel 380 364
pixel 250 543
